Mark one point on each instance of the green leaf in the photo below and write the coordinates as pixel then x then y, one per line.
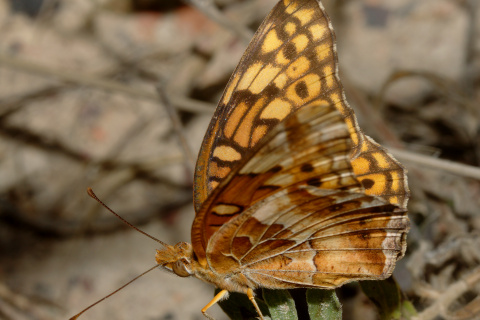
pixel 323 304
pixel 388 298
pixel 238 307
pixel 280 304
pixel 408 310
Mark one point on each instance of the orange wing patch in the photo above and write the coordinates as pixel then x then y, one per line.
pixel 226 153
pixel 277 109
pixel 271 42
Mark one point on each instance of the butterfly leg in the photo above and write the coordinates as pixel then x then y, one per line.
pixel 222 294
pixel 252 298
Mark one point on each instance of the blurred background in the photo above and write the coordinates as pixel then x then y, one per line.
pixel 79 108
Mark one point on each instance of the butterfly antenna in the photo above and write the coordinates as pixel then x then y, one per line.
pixel 94 196
pixel 111 294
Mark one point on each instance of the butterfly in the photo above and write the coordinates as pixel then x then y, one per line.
pixel 288 191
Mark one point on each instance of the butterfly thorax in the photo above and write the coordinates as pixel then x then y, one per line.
pixel 232 282
pixel 180 259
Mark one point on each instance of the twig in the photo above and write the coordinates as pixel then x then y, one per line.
pixel 470 311
pixel 92 81
pixel 177 126
pixel 450 295
pixel 24 136
pixel 440 164
pixel 208 8
pixel 24 304
pixel 13 104
pixel 470 47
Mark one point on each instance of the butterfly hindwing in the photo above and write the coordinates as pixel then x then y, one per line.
pixel 310 237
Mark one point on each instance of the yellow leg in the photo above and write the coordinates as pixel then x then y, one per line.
pixel 252 298
pixel 215 299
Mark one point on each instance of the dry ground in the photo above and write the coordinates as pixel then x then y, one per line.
pixel 78 108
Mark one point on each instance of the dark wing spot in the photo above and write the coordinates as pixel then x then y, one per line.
pixel 301 89
pixel 368 183
pixel 364 236
pixel 290 52
pixel 276 169
pixel 307 167
pixel 316 182
pixel 336 208
pixel 214 178
pixel 271 90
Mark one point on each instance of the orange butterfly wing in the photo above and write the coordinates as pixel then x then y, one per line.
pixel 290 63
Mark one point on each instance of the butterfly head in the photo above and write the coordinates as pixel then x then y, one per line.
pixel 177 259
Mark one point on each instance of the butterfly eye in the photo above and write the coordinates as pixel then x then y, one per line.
pixel 180 269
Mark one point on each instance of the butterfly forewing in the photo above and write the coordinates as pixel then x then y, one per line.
pixel 380 173
pixel 288 64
